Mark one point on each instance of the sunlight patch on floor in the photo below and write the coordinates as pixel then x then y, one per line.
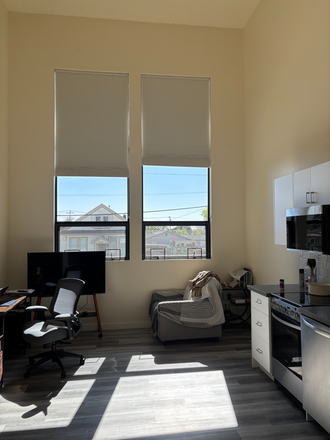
pixel 91 366
pixel 164 404
pixel 50 411
pixel 148 363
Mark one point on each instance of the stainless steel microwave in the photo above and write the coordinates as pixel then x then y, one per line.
pixel 308 229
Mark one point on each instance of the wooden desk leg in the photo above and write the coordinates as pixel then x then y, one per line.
pixel 38 304
pixel 97 315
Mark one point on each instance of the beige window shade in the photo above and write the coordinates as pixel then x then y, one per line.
pixel 175 121
pixel 91 124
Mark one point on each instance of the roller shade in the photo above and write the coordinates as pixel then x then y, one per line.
pixel 91 124
pixel 175 121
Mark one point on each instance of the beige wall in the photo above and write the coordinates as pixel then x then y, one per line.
pixel 38 45
pixel 287 116
pixel 3 141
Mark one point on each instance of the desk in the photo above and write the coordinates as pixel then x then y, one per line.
pixel 3 311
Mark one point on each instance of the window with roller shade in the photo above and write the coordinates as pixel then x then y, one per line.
pixel 176 167
pixel 92 162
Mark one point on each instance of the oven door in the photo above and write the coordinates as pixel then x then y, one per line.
pixel 286 342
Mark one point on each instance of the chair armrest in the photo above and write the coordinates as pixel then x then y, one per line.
pixel 64 316
pixel 70 321
pixel 40 310
pixel 36 308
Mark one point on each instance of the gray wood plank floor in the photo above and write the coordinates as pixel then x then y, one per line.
pixel 134 387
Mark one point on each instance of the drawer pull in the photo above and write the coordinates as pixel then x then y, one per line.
pixel 259 324
pixel 259 350
pixel 259 301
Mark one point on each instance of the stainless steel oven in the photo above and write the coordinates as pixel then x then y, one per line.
pixel 286 345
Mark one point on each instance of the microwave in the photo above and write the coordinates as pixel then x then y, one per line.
pixel 308 229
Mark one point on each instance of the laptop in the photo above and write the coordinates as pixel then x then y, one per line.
pixel 4 299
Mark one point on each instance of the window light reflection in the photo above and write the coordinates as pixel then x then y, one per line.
pixel 91 366
pixel 148 363
pixel 167 404
pixel 50 411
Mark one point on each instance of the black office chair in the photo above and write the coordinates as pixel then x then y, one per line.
pixel 49 327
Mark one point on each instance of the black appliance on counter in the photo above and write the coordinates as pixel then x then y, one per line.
pixel 309 228
pixel 286 338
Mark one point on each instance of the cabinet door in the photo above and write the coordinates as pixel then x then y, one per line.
pixel 320 183
pixel 283 200
pixel 260 324
pixel 261 352
pixel 302 188
pixel 260 302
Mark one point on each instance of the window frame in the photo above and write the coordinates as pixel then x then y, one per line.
pixel 86 224
pixel 205 223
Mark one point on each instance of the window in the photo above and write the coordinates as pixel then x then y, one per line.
pixel 81 204
pixel 176 143
pixel 176 221
pixel 92 162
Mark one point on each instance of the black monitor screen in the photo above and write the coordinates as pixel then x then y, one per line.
pixel 44 269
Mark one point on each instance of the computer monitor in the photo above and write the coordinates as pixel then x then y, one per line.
pixel 44 269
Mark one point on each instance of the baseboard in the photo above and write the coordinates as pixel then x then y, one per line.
pixel 117 326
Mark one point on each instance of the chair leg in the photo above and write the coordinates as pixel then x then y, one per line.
pixel 55 356
pixel 63 353
pixel 44 358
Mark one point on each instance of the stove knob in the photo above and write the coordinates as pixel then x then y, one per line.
pixel 291 313
pixel 297 317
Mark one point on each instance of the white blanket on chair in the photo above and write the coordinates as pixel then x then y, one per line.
pixel 203 311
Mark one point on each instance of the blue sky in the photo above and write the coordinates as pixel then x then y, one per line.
pixel 172 188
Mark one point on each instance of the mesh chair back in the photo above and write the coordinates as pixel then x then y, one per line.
pixel 65 299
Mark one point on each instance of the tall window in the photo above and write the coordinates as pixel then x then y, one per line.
pixel 176 164
pixel 92 165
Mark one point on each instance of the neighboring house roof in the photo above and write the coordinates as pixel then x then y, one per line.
pixel 178 236
pixel 102 210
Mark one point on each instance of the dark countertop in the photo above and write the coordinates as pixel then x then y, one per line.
pixel 318 313
pixel 267 290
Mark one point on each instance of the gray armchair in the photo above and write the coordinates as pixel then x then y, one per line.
pixel 59 322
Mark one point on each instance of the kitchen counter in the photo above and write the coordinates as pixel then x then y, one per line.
pixel 318 313
pixel 267 290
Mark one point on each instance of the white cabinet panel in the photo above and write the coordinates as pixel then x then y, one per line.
pixel 302 188
pixel 320 183
pixel 261 352
pixel 283 200
pixel 260 302
pixel 260 331
pixel 260 324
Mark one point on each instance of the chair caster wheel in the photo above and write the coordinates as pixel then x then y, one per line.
pixel 100 335
pixel 27 374
pixel 63 374
pixel 31 361
pixel 82 361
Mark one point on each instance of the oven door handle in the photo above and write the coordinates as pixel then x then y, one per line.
pixel 288 324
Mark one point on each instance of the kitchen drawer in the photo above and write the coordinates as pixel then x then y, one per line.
pixel 260 302
pixel 260 324
pixel 261 352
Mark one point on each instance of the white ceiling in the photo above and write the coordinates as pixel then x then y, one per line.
pixel 215 13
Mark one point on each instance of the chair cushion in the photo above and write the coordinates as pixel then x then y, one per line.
pixel 41 332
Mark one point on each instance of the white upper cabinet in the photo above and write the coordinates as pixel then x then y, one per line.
pixel 298 190
pixel 283 200
pixel 320 184
pixel 312 186
pixel 302 188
